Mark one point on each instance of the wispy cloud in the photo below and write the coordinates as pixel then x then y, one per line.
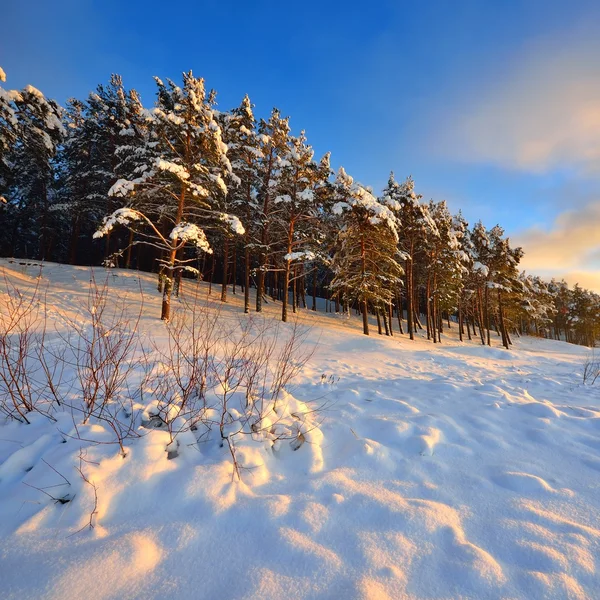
pixel 541 113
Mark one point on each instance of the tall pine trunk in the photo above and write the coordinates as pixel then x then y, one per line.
pixel 286 274
pixel 170 266
pixel 247 279
pixel 365 317
pixel 225 269
pixel 502 323
pixel 409 297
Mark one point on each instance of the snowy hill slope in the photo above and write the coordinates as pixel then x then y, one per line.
pixel 449 471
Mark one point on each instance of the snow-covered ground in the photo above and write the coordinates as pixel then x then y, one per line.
pixel 448 471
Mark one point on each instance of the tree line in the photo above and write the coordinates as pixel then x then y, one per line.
pixel 186 189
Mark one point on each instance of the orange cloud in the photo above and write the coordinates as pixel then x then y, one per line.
pixel 567 250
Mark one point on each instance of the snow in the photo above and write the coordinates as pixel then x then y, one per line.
pixel 122 187
pixel 179 171
pixel 189 232
pixel 481 268
pixel 122 216
pixel 2 75
pixel 234 223
pixel 304 255
pixel 358 196
pixel 447 471
pixel 34 92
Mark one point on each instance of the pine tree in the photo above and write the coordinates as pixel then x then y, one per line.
pixel 8 137
pixel 38 131
pixel 296 207
pixel 245 153
pixel 273 138
pixel 415 226
pixel 365 265
pixel 189 161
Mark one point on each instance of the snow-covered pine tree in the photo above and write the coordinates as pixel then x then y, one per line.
pixel 185 173
pixel 415 225
pixel 480 275
pixel 365 265
pixel 273 138
pixel 325 228
pixel 296 208
pixel 584 316
pixel 245 153
pixel 37 131
pixel 535 302
pixel 107 114
pixel 8 137
pixel 88 163
pixel 462 261
pixel 239 133
pixel 503 265
pixel 444 268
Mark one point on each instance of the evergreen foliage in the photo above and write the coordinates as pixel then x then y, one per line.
pixel 181 181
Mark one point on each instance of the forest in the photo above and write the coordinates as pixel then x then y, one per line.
pixel 188 190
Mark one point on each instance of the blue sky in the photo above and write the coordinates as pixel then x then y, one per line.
pixel 493 106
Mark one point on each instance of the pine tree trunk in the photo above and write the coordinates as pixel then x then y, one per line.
pixel 365 317
pixel 168 285
pixel 384 314
pixel 502 324
pixel 234 269
pixel 225 270
pixel 260 286
pixel 487 314
pixel 294 295
pixel 74 238
pixel 107 246
pixel 302 289
pixel 378 316
pixel 314 291
pixel 246 280
pixel 212 273
pixel 274 281
pixel 179 283
pixel 285 290
pixel 129 248
pixel 480 318
pixel 399 302
pixel 409 299
pixel 428 307
pixel 434 319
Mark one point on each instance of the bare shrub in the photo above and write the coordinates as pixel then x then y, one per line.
pixel 228 380
pixel 182 371
pixel 209 378
pixel 22 389
pixel 105 352
pixel 591 369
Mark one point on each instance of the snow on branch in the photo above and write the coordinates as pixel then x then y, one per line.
pixel 121 216
pixel 188 232
pixel 306 255
pixel 234 223
pixel 125 186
